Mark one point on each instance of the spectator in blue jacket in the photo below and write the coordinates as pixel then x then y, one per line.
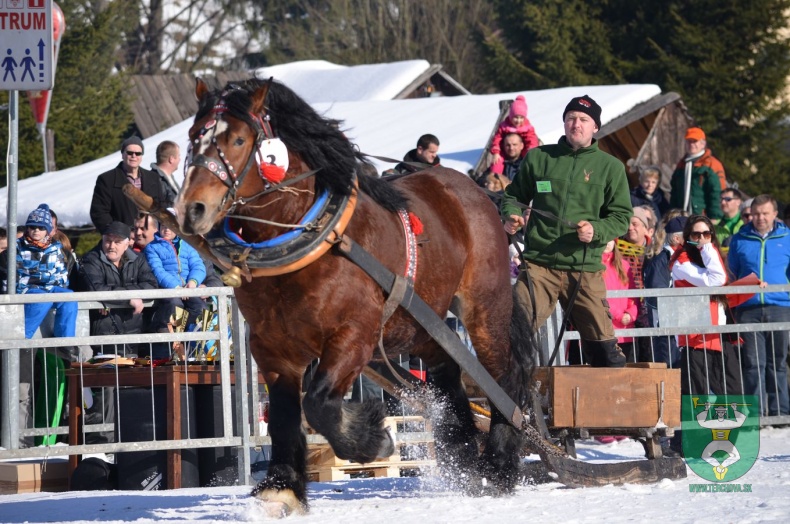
pixel 762 247
pixel 175 264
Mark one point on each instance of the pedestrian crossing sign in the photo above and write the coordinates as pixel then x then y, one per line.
pixel 26 45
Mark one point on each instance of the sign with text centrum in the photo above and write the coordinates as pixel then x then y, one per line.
pixel 26 46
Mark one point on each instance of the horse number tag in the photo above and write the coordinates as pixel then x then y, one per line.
pixel 274 152
pixel 544 186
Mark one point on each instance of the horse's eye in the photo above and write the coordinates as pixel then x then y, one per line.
pixel 239 141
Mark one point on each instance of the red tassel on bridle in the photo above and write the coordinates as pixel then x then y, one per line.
pixel 272 173
pixel 416 223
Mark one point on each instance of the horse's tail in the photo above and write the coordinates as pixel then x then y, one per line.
pixel 523 350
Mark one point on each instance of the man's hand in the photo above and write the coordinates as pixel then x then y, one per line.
pixel 137 305
pixel 513 224
pixel 707 406
pixel 626 319
pixel 585 231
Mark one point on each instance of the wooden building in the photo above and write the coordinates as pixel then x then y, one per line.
pixel 162 101
pixel 651 133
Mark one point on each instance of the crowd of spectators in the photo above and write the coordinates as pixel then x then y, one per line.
pixel 134 252
pixel 702 232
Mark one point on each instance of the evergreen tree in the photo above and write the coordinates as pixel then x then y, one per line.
pixel 90 111
pixel 549 43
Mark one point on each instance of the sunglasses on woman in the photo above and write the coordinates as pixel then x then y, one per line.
pixel 696 235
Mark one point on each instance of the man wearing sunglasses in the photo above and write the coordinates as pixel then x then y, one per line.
pixel 731 222
pixel 109 204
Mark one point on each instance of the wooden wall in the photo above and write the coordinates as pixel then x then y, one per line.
pixel 650 134
pixel 162 101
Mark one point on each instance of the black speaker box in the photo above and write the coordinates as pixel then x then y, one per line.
pixel 134 422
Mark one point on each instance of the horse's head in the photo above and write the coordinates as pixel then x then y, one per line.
pixel 223 159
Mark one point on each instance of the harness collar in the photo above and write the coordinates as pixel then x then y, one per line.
pixel 322 226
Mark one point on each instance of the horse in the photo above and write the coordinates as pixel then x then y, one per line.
pixel 273 188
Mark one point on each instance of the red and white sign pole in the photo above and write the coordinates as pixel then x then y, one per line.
pixel 40 100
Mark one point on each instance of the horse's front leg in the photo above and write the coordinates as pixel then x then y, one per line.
pixel 285 487
pixel 354 430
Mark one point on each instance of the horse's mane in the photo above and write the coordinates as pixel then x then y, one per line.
pixel 318 141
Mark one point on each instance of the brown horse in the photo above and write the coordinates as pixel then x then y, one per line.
pixel 303 301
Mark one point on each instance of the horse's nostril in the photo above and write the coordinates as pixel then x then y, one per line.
pixel 195 211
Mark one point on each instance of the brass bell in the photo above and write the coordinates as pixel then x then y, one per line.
pixel 232 277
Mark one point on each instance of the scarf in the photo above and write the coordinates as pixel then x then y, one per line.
pixel 42 245
pixel 689 166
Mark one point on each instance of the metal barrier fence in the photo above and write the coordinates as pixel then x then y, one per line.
pixel 232 355
pixel 234 362
pixel 684 311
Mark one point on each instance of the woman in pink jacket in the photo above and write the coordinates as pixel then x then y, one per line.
pixel 623 310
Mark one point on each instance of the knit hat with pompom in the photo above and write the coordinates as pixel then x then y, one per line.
pixel 40 217
pixel 518 107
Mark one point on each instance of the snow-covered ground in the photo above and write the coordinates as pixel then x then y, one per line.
pixel 425 500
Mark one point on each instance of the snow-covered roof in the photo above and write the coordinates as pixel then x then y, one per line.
pixel 387 128
pixel 319 81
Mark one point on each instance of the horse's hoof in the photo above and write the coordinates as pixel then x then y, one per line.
pixel 280 503
pixel 275 510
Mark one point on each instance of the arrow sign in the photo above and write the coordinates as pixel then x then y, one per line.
pixel 24 28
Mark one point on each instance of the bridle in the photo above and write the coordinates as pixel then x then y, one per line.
pixel 221 167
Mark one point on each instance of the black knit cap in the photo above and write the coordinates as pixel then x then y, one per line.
pixel 118 229
pixel 584 104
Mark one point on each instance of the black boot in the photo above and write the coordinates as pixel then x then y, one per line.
pixel 604 354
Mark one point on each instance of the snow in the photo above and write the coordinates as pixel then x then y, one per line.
pixel 380 127
pixel 425 500
pixel 321 81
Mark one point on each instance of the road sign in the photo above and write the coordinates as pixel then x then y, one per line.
pixel 26 45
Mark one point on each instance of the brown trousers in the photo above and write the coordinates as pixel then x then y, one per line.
pixel 590 313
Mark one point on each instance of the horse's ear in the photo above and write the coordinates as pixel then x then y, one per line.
pixel 259 97
pixel 201 89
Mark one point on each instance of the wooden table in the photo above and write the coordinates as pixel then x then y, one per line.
pixel 172 377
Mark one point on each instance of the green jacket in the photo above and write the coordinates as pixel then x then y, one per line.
pixel 728 227
pixel 586 184
pixel 705 191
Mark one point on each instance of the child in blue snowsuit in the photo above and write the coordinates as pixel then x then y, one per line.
pixel 41 268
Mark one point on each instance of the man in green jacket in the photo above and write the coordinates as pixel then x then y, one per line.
pixel 581 201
